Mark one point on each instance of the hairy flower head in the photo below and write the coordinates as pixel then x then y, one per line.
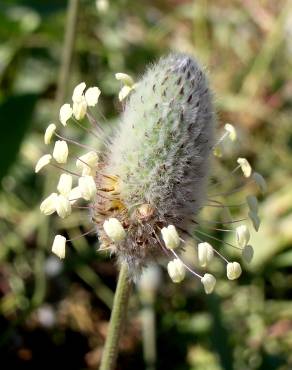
pixel 159 156
pixel 148 185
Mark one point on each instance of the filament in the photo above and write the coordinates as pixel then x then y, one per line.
pixel 64 169
pixel 80 236
pixel 215 250
pixel 186 266
pixel 219 240
pixel 86 129
pixel 219 222
pixel 76 143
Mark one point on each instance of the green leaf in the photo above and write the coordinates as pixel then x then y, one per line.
pixel 16 114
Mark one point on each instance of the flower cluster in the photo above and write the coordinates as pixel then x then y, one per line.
pixel 66 196
pixel 148 187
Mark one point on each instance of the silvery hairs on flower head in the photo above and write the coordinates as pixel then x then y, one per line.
pixel 148 185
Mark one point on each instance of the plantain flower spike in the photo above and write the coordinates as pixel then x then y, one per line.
pixel 149 182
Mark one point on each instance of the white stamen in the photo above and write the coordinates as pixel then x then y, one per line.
pixel 78 92
pixel 209 282
pixel 242 236
pixel 80 108
pixel 74 195
pixel 60 152
pixel 176 270
pixel 87 187
pixel 124 92
pixel 205 253
pixel 114 230
pixel 65 184
pixel 59 246
pixel 42 162
pixel 65 113
pixel 186 266
pixel 126 79
pixel 231 131
pixel 63 206
pixel 87 163
pixel 48 205
pixel 245 166
pixel 92 95
pixel 170 237
pixel 233 270
pixel 49 133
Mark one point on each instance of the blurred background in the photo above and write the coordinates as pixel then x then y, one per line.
pixel 55 313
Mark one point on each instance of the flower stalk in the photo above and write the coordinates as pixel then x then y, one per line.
pixel 117 320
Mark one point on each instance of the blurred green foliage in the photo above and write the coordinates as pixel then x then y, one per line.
pixel 55 314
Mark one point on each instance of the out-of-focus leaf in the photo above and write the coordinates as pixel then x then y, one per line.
pixel 283 260
pixel 275 232
pixel 220 338
pixel 271 362
pixel 16 113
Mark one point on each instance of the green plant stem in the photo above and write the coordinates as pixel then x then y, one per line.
pixel 68 47
pixel 117 320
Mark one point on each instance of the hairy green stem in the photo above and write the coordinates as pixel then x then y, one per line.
pixel 68 47
pixel 117 320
